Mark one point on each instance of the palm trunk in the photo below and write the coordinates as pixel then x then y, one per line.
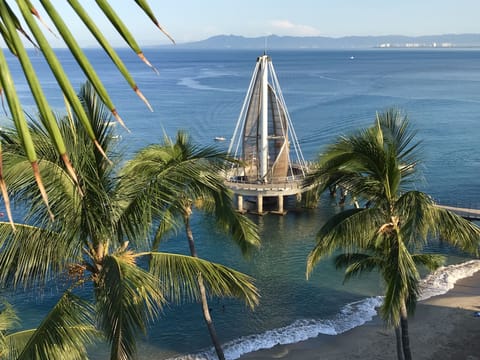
pixel 398 336
pixel 203 293
pixel 404 325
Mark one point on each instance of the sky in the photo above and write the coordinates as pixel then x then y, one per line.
pixel 193 20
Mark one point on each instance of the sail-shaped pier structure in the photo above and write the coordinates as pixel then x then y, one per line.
pixel 271 164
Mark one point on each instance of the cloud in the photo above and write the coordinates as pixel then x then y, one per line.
pixel 286 27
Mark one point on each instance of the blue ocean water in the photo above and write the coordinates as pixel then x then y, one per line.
pixel 328 94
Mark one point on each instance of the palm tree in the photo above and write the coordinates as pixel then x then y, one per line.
pixel 96 241
pixel 380 259
pixel 195 175
pixel 379 165
pixel 12 31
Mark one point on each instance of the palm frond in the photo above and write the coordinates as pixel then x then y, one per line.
pixel 178 275
pixel 401 278
pixel 88 21
pixel 64 195
pixel 457 231
pixel 218 202
pixel 64 333
pixel 399 133
pixel 430 261
pixel 176 173
pixel 14 343
pixel 127 298
pixel 167 224
pixel 11 25
pixel 8 317
pixel 417 213
pixel 349 230
pixel 32 255
pixel 146 8
pixel 65 192
pixel 357 263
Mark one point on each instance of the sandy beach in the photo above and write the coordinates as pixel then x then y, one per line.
pixel 443 327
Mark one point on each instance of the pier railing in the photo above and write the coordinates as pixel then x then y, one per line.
pixel 289 183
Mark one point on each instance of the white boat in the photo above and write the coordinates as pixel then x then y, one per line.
pixel 219 138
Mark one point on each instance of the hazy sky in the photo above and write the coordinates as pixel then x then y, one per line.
pixel 190 20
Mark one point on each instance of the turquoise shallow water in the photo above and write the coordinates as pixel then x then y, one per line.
pixel 327 94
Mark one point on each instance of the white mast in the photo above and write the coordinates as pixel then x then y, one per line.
pixel 263 148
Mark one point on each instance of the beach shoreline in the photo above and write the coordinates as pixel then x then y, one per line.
pixel 443 327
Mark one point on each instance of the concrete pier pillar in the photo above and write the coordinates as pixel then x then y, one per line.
pixel 260 204
pixel 280 203
pixel 240 203
pixel 298 196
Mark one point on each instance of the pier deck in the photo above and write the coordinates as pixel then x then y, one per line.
pixel 471 214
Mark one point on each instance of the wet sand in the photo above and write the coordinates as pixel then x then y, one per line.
pixel 443 327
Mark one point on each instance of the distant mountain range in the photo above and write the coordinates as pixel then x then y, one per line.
pixel 348 42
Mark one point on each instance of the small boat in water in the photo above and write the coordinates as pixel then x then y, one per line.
pixel 219 138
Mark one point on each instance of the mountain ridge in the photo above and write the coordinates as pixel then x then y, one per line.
pixel 273 42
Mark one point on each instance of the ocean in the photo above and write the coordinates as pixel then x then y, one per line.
pixel 328 93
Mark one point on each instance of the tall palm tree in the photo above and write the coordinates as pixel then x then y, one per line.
pixel 19 25
pixel 195 175
pixel 98 240
pixel 380 259
pixel 379 165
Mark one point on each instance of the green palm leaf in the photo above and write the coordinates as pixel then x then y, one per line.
pixel 46 113
pixel 64 333
pixel 3 189
pixel 430 261
pixel 8 317
pixel 127 298
pixel 177 174
pixel 458 231
pixel 356 264
pixel 32 255
pixel 146 8
pixel 349 230
pixel 76 6
pixel 178 275
pixel 11 24
pixel 8 321
pixel 401 278
pixel 14 343
pixel 417 211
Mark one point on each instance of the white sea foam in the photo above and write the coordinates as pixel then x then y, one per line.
pixel 196 84
pixel 444 278
pixel 349 317
pixel 193 83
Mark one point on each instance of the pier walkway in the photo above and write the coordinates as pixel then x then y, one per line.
pixel 470 214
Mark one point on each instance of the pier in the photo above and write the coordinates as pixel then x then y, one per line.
pixel 469 214
pixel 270 163
pixel 276 190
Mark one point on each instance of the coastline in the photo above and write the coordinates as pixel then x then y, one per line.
pixel 443 327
